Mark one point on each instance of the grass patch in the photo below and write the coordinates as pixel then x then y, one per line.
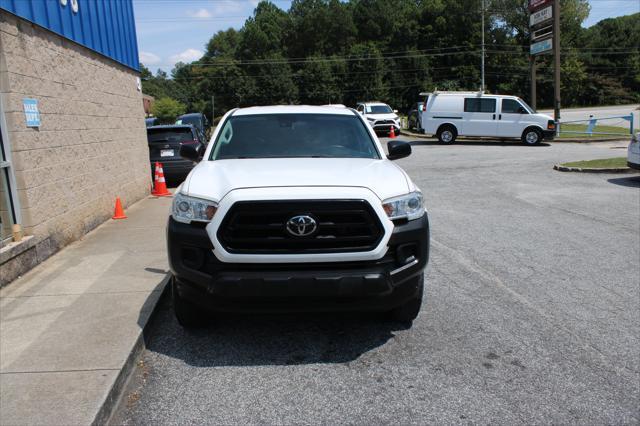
pixel 603 163
pixel 597 129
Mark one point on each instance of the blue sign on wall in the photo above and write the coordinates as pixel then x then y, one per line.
pixel 106 26
pixel 31 113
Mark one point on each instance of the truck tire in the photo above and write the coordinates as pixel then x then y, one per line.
pixel 531 136
pixel 410 310
pixel 447 134
pixel 187 314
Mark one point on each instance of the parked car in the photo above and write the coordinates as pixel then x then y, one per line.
pixel 413 117
pixel 380 116
pixel 261 225
pixel 164 146
pixel 151 121
pixel 452 114
pixel 633 152
pixel 196 119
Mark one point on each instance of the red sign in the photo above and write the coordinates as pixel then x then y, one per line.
pixel 534 4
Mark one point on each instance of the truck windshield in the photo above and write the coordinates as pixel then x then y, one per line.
pixel 294 135
pixel 378 109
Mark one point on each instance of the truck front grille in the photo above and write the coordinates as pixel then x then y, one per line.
pixel 260 227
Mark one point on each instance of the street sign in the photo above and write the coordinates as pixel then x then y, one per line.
pixel 542 33
pixel 540 16
pixel 31 113
pixel 534 4
pixel 541 46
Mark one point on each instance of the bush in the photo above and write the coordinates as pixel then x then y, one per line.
pixel 167 110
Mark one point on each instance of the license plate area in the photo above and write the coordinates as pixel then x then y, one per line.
pixel 167 153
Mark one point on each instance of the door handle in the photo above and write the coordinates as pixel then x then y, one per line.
pixel 499 116
pixel 494 116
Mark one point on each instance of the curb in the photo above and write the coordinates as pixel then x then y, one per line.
pixel 563 140
pixel 561 168
pixel 115 394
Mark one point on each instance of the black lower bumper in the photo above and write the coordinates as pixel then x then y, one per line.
pixel 633 165
pixel 378 285
pixel 548 134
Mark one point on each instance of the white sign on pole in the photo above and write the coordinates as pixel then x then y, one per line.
pixel 541 16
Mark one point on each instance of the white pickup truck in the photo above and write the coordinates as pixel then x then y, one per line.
pixel 297 208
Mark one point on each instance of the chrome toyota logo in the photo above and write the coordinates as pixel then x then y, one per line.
pixel 301 226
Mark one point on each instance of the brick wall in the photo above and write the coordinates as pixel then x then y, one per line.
pixel 91 146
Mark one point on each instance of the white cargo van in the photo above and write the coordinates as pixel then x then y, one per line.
pixel 452 114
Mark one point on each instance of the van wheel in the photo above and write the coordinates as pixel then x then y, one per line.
pixel 187 314
pixel 410 310
pixel 447 134
pixel 531 136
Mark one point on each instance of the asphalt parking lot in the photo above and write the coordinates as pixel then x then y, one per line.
pixel 531 315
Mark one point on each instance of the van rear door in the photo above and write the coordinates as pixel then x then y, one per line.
pixel 480 117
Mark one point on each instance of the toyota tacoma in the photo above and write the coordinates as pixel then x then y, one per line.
pixel 297 208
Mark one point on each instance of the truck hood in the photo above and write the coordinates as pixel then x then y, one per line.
pixel 390 116
pixel 214 179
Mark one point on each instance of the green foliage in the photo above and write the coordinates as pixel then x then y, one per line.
pixel 333 51
pixel 167 110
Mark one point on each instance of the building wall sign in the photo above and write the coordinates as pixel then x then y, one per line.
pixel 31 113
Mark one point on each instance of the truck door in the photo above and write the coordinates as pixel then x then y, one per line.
pixel 480 117
pixel 513 118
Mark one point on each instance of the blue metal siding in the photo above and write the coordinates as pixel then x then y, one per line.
pixel 106 26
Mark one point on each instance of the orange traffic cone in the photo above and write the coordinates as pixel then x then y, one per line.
pixel 119 211
pixel 392 133
pixel 160 188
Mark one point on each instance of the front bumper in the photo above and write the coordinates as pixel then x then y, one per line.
pixel 377 285
pixel 548 134
pixel 633 165
pixel 386 127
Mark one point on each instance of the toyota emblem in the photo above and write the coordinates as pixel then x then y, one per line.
pixel 301 226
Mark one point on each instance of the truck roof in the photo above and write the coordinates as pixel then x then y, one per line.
pixel 461 93
pixel 293 109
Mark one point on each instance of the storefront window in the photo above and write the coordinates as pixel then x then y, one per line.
pixel 9 211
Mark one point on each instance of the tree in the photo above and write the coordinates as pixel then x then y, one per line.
pixel 167 110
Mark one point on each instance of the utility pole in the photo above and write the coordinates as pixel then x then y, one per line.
pixel 213 114
pixel 482 70
pixel 533 97
pixel 556 55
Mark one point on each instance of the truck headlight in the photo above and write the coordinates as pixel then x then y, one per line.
pixel 371 119
pixel 188 209
pixel 410 206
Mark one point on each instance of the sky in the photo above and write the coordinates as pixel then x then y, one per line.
pixel 170 31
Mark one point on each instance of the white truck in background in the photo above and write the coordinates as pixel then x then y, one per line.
pixel 451 114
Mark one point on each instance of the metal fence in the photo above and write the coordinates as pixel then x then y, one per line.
pixel 598 126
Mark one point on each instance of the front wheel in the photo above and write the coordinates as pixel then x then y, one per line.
pixel 410 310
pixel 446 135
pixel 531 136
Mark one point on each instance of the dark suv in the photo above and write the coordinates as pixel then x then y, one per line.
pixel 164 146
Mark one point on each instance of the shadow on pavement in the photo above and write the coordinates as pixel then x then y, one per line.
pixel 479 143
pixel 630 181
pixel 255 340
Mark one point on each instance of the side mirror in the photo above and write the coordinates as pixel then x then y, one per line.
pixel 398 149
pixel 190 152
pixel 521 110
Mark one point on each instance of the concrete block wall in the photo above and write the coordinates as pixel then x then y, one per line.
pixel 91 145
